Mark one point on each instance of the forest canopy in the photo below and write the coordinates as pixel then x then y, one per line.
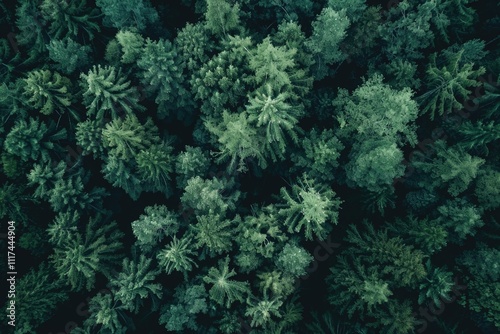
pixel 250 166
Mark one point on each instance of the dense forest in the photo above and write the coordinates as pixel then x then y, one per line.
pixel 250 166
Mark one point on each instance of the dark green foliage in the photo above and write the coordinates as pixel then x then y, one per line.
pixel 437 286
pixel 447 86
pixel 131 45
pixel 238 141
pixel 374 165
pixel 222 17
pixel 224 290
pixel 207 196
pixel 460 218
pixel 81 256
pixel 135 283
pixel 68 54
pixel 105 313
pixel 157 222
pixel 213 233
pixel 311 207
pixel 479 134
pixel 427 235
pixel 106 89
pixel 270 112
pixel 128 13
pixel 33 140
pixel 47 92
pixel 319 155
pixel 329 29
pixel 293 260
pixel 177 255
pixel 72 19
pixel 37 295
pixel 487 189
pixel 190 163
pixel 162 74
pixel 230 166
pixel 376 110
pixel 451 166
pixel 189 300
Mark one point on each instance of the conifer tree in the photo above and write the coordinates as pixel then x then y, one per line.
pixel 310 206
pixel 225 291
pixel 106 89
pixel 47 92
pixel 82 256
pixel 135 283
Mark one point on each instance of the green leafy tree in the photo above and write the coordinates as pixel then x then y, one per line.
pixel 177 255
pixel 402 263
pixel 407 30
pixel 398 318
pixel 276 283
pixel 478 135
pixel 38 293
pixel 193 45
pixel 70 194
pixel 225 291
pixel 482 274
pixel 447 86
pixel 63 227
pixel 259 236
pixel 45 176
pixel 121 173
pixel 355 288
pixel 293 260
pixel 30 23
pixel 107 89
pixel 128 14
pixel 14 201
pixel 69 55
pixel 135 283
pixel 329 29
pixel 81 257
pixel 156 223
pixel 47 92
pixel 311 207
